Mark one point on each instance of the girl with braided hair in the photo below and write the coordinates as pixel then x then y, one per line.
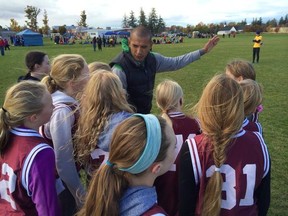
pixel 225 170
pixel 103 106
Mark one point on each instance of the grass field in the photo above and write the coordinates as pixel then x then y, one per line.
pixel 272 73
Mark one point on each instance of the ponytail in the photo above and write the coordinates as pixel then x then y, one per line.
pixel 108 184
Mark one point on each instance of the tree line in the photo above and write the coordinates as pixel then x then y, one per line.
pixel 154 22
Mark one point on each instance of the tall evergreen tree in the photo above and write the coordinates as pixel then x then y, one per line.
pixel 45 20
pixel 160 25
pixel 142 18
pixel 83 18
pixel 132 20
pixel 31 14
pixel 153 21
pixel 125 23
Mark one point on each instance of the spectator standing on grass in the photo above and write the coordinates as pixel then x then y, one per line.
pixel 2 46
pixel 256 46
pixel 6 43
pixel 38 65
pixel 94 43
pixel 99 43
pixel 137 67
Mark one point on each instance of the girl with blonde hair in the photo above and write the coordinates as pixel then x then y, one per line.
pixel 252 93
pixel 142 148
pixel 27 161
pixel 102 107
pixel 239 70
pixel 169 98
pixel 69 74
pixel 96 65
pixel 225 170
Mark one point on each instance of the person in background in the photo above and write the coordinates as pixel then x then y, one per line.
pixel 256 46
pixel 169 98
pixel 99 43
pixel 69 74
pixel 26 160
pixel 94 43
pixel 137 67
pixel 103 106
pixel 2 46
pixel 96 65
pixel 6 43
pixel 38 66
pixel 142 148
pixel 225 170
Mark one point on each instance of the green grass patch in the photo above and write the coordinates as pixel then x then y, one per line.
pixel 271 73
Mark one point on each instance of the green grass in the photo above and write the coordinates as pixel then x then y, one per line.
pixel 271 73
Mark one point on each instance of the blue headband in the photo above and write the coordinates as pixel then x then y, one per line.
pixel 152 147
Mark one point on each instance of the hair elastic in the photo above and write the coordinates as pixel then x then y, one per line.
pixel 109 163
pixel 4 109
pixel 217 169
pixel 152 146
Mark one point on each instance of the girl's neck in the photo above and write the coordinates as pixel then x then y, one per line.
pixel 38 74
pixel 143 180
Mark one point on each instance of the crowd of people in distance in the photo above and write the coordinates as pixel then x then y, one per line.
pixel 80 139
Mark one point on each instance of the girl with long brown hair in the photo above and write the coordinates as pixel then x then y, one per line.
pixel 142 148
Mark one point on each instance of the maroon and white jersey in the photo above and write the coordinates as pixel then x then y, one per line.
pixel 247 163
pixel 156 210
pixel 18 175
pixel 252 126
pixel 98 158
pixel 167 185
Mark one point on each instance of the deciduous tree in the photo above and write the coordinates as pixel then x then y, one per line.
pixel 31 14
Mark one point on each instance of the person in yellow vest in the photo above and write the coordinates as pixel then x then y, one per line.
pixel 256 47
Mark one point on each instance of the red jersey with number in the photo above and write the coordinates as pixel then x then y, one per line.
pixel 167 185
pixel 247 163
pixel 23 146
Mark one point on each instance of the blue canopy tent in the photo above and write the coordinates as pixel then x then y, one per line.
pixel 124 33
pixel 31 38
pixel 110 33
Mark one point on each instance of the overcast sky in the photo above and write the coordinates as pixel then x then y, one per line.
pixel 103 13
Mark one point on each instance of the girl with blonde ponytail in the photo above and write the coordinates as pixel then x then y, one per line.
pixel 142 148
pixel 27 162
pixel 69 74
pixel 169 99
pixel 225 170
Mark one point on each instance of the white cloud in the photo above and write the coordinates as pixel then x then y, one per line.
pixel 110 13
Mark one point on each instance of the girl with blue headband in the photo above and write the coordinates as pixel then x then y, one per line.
pixel 142 148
